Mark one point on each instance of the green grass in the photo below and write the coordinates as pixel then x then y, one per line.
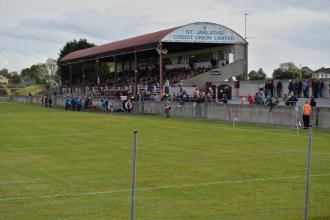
pixel 77 165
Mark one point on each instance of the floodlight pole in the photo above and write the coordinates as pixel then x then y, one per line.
pixel 309 154
pixel 116 74
pixel 246 46
pixel 245 16
pixel 133 176
pixel 161 68
pixel 97 72
pixel 83 70
pixel 135 74
pixel 70 79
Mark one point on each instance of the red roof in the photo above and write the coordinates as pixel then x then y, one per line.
pixel 118 45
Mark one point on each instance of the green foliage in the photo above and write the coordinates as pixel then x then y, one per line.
pixel 306 72
pixel 4 90
pixel 240 77
pixel 287 71
pixel 77 69
pixel 14 77
pixel 257 75
pixel 30 89
pixel 42 73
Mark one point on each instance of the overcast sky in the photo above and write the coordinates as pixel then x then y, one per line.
pixel 278 30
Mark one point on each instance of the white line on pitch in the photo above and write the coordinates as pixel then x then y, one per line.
pixel 157 187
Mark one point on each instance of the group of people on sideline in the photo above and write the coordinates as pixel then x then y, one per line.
pixel 73 103
pixel 46 100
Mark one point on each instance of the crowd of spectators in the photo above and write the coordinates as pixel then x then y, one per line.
pixel 301 87
pixel 150 77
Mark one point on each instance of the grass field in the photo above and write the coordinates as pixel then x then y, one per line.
pixel 77 165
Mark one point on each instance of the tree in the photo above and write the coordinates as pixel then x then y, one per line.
pixel 240 77
pixel 14 77
pixel 52 70
pixel 254 75
pixel 306 72
pixel 77 69
pixel 37 72
pixel 4 72
pixel 287 70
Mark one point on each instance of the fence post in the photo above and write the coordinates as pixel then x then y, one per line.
pixel 133 176
pixel 309 152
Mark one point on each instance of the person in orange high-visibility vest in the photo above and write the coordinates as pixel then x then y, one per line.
pixel 306 114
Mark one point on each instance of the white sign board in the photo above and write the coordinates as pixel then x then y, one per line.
pixel 204 33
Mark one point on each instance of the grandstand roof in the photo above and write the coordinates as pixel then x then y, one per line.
pixel 144 42
pixel 119 45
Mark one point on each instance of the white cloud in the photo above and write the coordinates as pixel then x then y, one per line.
pixel 284 30
pixel 17 62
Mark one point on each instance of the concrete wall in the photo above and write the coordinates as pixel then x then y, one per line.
pixel 234 69
pixel 281 115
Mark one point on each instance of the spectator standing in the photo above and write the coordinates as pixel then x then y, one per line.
pixel 270 102
pixel 106 105
pixel 78 104
pixel 46 101
pixel 295 88
pixel 73 104
pixel 292 100
pixel 243 99
pixel 299 89
pixel 305 89
pixel 258 100
pixel 315 88
pixel 50 102
pixel 290 87
pixel 312 102
pixel 167 107
pixel 279 88
pixel 306 114
pixel 321 86
pixel 251 99
pixel 67 103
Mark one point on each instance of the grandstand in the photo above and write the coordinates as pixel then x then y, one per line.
pixel 196 54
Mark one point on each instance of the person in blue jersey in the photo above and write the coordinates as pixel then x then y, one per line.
pixel 102 103
pixel 73 104
pixel 67 103
pixel 78 104
pixel 106 105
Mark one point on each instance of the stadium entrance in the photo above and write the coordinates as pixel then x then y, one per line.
pixel 186 56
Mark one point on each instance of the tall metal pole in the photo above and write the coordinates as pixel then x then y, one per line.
pixel 133 176
pixel 83 70
pixel 70 79
pixel 309 154
pixel 135 74
pixel 116 76
pixel 246 14
pixel 97 73
pixel 246 46
pixel 161 68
